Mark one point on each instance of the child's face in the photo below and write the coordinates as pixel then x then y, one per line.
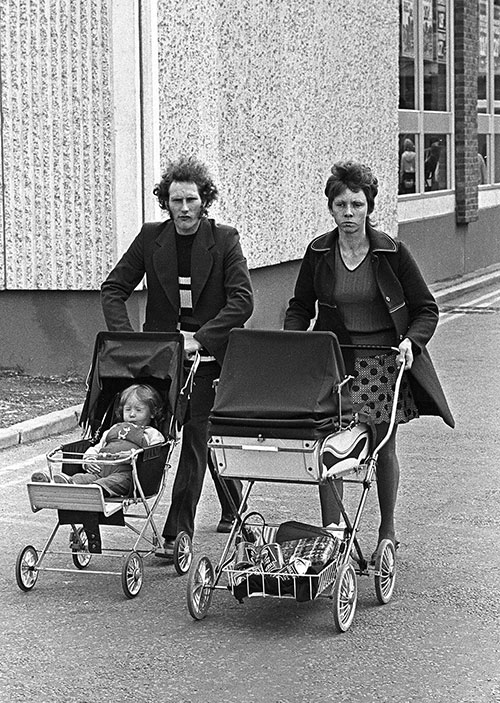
pixel 136 411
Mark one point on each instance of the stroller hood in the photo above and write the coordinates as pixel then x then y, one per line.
pixel 123 358
pixel 281 379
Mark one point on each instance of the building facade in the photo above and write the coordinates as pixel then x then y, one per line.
pixel 97 94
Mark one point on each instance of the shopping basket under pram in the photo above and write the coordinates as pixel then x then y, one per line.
pixel 283 413
pixel 120 359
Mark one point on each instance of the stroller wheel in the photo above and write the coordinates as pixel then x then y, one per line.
pixel 385 571
pixel 345 596
pixel 78 542
pixel 26 572
pixel 132 575
pixel 183 553
pixel 200 587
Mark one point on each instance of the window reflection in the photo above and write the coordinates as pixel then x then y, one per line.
pixel 434 21
pixel 496 54
pixel 482 71
pixel 497 159
pixel 482 159
pixel 435 170
pixel 407 56
pixel 407 164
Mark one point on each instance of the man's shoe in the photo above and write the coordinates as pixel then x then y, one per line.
pixel 225 525
pixel 167 551
pixel 40 477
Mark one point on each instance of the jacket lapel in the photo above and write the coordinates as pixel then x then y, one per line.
pixel 201 259
pixel 165 263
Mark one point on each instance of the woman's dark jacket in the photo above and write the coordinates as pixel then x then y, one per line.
pixel 409 301
pixel 220 283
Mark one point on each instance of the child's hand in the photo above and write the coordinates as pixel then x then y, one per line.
pixel 93 469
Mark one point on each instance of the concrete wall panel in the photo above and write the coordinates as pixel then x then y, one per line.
pixel 56 131
pixel 270 94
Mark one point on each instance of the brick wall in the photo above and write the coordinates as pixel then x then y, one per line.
pixel 466 64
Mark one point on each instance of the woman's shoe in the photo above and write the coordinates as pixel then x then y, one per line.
pixel 374 555
pixel 225 525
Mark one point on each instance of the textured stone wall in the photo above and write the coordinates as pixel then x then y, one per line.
pixel 57 230
pixel 270 93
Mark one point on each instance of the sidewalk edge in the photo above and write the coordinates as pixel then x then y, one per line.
pixel 41 427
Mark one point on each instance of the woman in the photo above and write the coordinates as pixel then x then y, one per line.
pixel 407 168
pixel 369 290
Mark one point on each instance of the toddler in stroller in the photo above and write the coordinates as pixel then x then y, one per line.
pixel 132 419
pixel 139 408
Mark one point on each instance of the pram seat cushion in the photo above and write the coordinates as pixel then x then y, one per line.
pixel 281 384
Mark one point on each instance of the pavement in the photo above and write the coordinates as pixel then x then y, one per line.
pixel 67 419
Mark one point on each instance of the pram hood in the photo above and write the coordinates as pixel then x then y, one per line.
pixel 123 358
pixel 283 382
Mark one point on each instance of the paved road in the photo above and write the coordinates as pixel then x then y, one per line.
pixel 75 638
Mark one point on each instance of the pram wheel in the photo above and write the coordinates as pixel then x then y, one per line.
pixel 26 573
pixel 345 596
pixel 385 571
pixel 132 575
pixel 78 542
pixel 200 587
pixel 183 553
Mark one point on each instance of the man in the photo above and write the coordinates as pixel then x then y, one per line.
pixel 197 283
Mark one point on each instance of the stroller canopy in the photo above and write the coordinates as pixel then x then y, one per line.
pixel 281 383
pixel 123 358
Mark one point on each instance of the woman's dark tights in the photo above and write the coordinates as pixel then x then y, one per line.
pixel 387 482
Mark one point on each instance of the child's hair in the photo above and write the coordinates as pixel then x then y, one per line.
pixel 147 395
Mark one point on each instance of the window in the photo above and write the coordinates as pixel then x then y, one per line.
pixel 426 121
pixel 488 92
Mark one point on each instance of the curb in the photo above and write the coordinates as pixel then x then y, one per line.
pixel 449 289
pixel 40 427
pixel 67 419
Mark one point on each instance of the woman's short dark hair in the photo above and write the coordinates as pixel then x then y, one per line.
pixel 187 169
pixel 356 177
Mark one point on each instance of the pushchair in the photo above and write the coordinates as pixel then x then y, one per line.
pixel 283 413
pixel 119 360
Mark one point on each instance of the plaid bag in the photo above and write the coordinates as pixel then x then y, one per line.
pixel 317 550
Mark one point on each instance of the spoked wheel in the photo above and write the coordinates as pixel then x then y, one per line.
pixel 385 571
pixel 26 573
pixel 132 575
pixel 200 587
pixel 79 543
pixel 345 596
pixel 183 553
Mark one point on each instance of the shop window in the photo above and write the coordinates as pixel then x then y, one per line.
pixel 425 95
pixel 435 160
pixel 488 88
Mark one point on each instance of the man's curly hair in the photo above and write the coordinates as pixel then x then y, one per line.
pixel 187 169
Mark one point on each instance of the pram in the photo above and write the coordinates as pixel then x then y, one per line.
pixel 283 413
pixel 119 360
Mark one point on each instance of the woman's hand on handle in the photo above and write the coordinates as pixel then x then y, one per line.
pixel 405 355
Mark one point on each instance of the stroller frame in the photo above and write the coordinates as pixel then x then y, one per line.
pixel 87 505
pixel 244 458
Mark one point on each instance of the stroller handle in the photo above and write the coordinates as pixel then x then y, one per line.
pixel 392 420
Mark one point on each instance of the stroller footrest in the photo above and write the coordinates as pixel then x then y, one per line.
pixel 60 496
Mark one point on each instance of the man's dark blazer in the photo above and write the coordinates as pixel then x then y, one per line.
pixel 220 283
